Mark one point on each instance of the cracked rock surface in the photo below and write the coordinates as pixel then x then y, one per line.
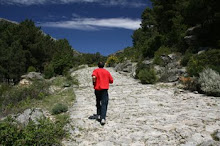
pixel 140 115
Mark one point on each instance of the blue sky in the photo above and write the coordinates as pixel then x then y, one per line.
pixel 90 26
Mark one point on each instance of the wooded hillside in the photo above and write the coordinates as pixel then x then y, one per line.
pixel 185 26
pixel 24 48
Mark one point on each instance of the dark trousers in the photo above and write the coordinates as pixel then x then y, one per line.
pixel 101 102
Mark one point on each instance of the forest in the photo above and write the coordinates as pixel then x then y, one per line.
pixel 25 48
pixel 183 26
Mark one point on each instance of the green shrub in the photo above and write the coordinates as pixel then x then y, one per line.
pixel 61 81
pixel 201 61
pixel 31 69
pixel 48 71
pixel 9 132
pixel 147 76
pixel 59 108
pixel 15 95
pixel 209 81
pixel 43 133
pixel 161 51
pixel 186 58
pixel 190 83
pixel 62 119
pixel 140 66
pixel 151 45
pixel 111 61
pixel 71 80
pixel 4 88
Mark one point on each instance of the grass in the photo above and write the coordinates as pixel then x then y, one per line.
pixel 50 131
pixel 45 132
pixel 64 96
pixel 58 81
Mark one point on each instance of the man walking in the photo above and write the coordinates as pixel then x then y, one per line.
pixel 101 79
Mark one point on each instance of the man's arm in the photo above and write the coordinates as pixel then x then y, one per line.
pixel 110 79
pixel 93 79
pixel 94 74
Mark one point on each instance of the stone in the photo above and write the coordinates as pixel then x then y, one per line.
pixel 210 143
pixel 166 59
pixel 148 62
pixel 217 135
pixel 36 114
pixel 171 75
pixel 79 67
pixel 66 84
pixel 190 39
pixel 141 114
pixel 32 76
pixel 191 35
pixel 25 82
pixel 133 70
pixel 200 52
pixel 171 69
pixel 8 21
pixel 24 117
pixel 193 30
pixel 53 89
pixel 105 143
pixel 159 69
pixel 127 67
pixel 83 66
pixel 29 115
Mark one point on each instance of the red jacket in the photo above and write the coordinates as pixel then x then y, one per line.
pixel 103 78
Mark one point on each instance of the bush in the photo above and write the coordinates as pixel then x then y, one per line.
pixel 16 94
pixel 59 108
pixel 9 132
pixel 147 76
pixel 62 81
pixel 48 71
pixel 31 69
pixel 43 133
pixel 207 59
pixel 209 81
pixel 161 51
pixel 71 80
pixel 111 61
pixel 140 66
pixel 186 58
pixel 151 45
pixel 4 88
pixel 190 83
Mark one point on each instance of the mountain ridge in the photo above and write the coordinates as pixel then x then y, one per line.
pixel 17 23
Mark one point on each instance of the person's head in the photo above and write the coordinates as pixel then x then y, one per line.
pixel 101 64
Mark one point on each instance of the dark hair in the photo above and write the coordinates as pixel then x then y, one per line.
pixel 101 64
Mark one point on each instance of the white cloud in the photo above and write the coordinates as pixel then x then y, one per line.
pixel 130 3
pixel 77 1
pixel 74 15
pixel 96 24
pixel 23 2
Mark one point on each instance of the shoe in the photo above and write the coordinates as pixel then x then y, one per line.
pixel 98 117
pixel 103 122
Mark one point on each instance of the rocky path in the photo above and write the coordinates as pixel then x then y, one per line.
pixel 140 115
